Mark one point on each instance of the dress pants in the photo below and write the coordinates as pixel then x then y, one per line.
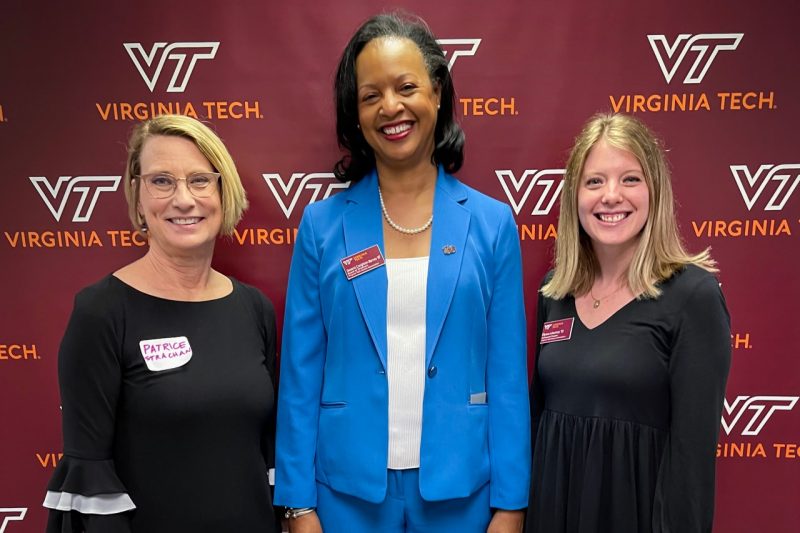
pixel 403 510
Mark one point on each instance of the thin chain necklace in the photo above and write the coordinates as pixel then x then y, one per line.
pixel 398 227
pixel 596 301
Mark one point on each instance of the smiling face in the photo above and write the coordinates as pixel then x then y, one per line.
pixel 397 102
pixel 180 224
pixel 613 198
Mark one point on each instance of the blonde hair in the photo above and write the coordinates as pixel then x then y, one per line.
pixel 233 195
pixel 660 251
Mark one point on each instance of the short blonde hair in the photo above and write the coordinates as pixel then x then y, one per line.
pixel 233 195
pixel 660 251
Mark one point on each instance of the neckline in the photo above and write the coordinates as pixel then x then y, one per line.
pixel 407 259
pixel 133 289
pixel 604 322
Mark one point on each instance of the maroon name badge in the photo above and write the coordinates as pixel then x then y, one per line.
pixel 557 330
pixel 362 262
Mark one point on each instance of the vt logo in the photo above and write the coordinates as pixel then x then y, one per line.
pixel 455 48
pixel 537 184
pixel 11 514
pixel 752 185
pixel 85 187
pixel 755 411
pixel 287 193
pixel 705 46
pixel 184 55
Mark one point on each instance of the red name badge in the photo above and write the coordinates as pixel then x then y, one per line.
pixel 362 262
pixel 557 330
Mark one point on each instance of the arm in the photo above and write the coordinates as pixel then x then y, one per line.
pixel 507 376
pixel 266 318
pixel 536 395
pixel 85 486
pixel 698 367
pixel 301 368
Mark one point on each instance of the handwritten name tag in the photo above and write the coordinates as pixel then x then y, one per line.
pixel 165 354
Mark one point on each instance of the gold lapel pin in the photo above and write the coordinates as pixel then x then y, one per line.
pixel 448 249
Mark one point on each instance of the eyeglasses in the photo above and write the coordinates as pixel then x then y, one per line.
pixel 163 185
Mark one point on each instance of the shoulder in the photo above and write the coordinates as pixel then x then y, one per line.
pixel 324 211
pixel 328 208
pixel 254 296
pixel 688 281
pixel 482 203
pixel 99 308
pixel 99 298
pixel 692 290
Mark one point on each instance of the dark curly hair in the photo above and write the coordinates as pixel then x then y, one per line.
pixel 448 136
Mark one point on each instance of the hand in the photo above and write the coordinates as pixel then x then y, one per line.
pixel 506 522
pixel 308 523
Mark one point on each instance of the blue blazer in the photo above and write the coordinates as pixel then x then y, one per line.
pixel 333 395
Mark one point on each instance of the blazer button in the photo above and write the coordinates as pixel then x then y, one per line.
pixel 432 371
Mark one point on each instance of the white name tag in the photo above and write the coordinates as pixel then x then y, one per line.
pixel 164 354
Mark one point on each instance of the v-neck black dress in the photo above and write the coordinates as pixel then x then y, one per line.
pixel 626 415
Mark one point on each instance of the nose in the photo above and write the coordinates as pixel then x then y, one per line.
pixel 391 105
pixel 182 198
pixel 611 193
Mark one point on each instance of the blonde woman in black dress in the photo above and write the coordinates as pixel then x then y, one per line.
pixel 633 351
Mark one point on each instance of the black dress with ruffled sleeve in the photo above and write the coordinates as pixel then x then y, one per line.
pixel 176 438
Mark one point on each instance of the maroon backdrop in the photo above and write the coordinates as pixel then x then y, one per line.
pixel 718 82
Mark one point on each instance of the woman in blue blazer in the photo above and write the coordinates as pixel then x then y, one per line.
pixel 403 386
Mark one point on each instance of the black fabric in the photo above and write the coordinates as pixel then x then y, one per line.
pixel 191 445
pixel 85 477
pixel 626 415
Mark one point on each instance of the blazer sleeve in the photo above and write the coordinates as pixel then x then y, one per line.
pixel 507 376
pixel 84 493
pixel 301 368
pixel 698 369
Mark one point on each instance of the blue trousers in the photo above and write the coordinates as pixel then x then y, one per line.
pixel 403 510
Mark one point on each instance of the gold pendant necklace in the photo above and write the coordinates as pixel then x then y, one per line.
pixel 596 301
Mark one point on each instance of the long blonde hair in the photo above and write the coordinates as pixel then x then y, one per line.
pixel 660 251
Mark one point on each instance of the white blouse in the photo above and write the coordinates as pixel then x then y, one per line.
pixel 405 332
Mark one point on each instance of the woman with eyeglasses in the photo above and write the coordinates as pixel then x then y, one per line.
pixel 167 366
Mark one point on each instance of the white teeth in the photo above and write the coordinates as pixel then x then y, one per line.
pixel 394 130
pixel 185 221
pixel 612 218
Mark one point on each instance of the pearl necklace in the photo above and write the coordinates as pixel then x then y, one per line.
pixel 398 227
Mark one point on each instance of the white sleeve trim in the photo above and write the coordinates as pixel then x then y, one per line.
pixel 102 504
pixel 271 476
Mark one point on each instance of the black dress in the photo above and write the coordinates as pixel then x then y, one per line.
pixel 168 405
pixel 626 415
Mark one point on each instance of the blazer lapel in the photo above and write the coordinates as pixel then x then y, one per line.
pixel 450 226
pixel 363 228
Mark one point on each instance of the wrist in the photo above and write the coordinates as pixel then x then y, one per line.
pixel 296 512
